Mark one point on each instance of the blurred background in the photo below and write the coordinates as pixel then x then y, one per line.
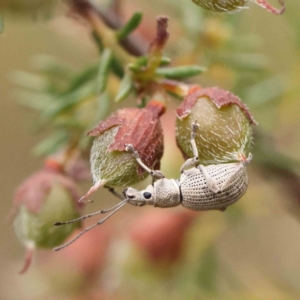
pixel 251 251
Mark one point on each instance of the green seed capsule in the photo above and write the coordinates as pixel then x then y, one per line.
pixel 115 168
pixel 111 163
pixel 227 6
pixel 37 228
pixel 221 5
pixel 224 133
pixel 43 198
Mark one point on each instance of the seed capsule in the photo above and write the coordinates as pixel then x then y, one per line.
pixel 111 164
pixel 224 133
pixel 223 6
pixel 38 202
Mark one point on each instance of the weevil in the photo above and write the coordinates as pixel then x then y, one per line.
pixel 198 188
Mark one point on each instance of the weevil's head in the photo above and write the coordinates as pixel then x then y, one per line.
pixel 163 193
pixel 140 198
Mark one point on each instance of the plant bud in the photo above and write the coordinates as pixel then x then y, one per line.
pixel 224 133
pixel 111 164
pixel 45 197
pixel 223 6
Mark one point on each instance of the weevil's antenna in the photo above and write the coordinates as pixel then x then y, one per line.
pixel 102 211
pixel 114 208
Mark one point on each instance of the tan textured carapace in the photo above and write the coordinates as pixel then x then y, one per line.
pixel 199 188
pixel 231 178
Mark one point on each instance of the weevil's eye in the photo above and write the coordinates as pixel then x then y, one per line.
pixel 147 195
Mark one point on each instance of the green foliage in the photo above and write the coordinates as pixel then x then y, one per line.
pixel 130 26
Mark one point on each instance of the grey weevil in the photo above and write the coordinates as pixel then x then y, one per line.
pixel 198 188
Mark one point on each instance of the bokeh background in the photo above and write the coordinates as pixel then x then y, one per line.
pixel 249 252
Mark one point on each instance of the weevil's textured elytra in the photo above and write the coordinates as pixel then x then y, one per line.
pixel 198 188
pixel 225 6
pixel 231 178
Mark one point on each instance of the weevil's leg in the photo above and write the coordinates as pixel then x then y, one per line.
pixel 195 127
pixel 113 191
pixel 192 162
pixel 156 174
pixel 240 167
pixel 93 189
pixel 211 183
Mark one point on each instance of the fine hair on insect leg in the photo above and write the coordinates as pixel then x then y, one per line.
pixel 114 209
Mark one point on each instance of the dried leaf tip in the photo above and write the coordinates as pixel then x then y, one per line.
pixel 156 107
pixel 276 11
pixel 162 34
pixel 28 260
pixel 52 164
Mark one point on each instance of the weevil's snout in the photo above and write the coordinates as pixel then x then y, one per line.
pixel 139 198
pixel 130 193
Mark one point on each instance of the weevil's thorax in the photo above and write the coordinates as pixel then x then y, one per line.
pixel 166 193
